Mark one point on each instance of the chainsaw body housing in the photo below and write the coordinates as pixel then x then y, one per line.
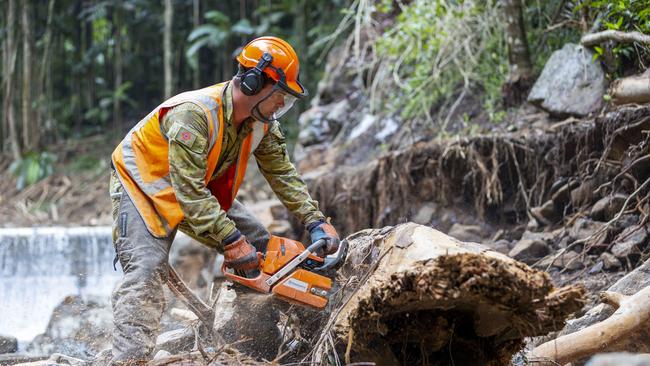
pixel 299 286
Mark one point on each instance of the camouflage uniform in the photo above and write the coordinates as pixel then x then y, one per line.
pixel 138 302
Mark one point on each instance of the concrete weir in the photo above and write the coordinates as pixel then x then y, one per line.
pixel 40 266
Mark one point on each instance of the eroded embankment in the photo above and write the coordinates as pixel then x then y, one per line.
pixel 496 178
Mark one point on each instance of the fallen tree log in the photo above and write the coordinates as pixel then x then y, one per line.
pixel 626 330
pixel 413 295
pixel 632 89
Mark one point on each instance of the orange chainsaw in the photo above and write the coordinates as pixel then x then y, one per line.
pixel 288 270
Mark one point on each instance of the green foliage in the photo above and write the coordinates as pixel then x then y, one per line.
pixel 219 29
pixel 32 167
pixel 625 16
pixel 87 163
pixel 437 46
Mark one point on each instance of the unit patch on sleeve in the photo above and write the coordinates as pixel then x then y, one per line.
pixel 185 137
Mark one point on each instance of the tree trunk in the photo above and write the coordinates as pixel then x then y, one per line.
pixel 30 129
pixel 167 47
pixel 196 18
pixel 519 82
pixel 9 69
pixel 42 113
pixel 117 71
pixel 422 295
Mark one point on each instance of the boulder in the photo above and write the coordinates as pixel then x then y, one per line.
pixel 547 213
pixel 502 246
pixel 568 260
pixel 78 328
pixel 176 341
pixel 529 250
pixel 620 358
pixel 468 233
pixel 191 260
pixel 610 262
pixel 583 194
pixel 584 228
pixel 8 344
pixel 57 359
pixel 572 83
pixel 630 242
pixel 607 207
pixel 425 214
pixel 628 285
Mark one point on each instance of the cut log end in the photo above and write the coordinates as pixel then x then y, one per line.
pixel 444 307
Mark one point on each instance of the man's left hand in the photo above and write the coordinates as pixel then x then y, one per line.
pixel 323 230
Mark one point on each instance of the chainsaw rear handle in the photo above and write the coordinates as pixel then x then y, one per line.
pixel 332 261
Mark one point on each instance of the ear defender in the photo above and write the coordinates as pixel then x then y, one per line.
pixel 251 80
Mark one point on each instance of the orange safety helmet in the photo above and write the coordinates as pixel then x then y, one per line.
pixel 282 66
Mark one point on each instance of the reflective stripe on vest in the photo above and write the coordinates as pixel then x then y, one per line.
pixel 141 160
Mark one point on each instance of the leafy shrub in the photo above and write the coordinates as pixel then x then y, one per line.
pixel 437 46
pixel 626 16
pixel 32 167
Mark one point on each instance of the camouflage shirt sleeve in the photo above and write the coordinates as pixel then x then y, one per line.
pixel 186 128
pixel 274 163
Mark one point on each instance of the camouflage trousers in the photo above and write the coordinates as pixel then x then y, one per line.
pixel 138 301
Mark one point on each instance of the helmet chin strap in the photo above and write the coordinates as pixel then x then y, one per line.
pixel 255 113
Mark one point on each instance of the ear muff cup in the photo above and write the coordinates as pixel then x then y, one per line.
pixel 252 80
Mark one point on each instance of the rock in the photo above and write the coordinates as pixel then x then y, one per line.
pixel 619 359
pixel 19 358
pixel 263 210
pixel 630 242
pixel 583 228
pixel 467 233
pixel 568 260
pixel 8 344
pixel 190 258
pixel 545 236
pixel 280 228
pixel 628 285
pixel 425 214
pixel 583 194
pixel 546 214
pixel 176 341
pixel 607 207
pixel 58 359
pixel 502 246
pixel 572 83
pixel 529 251
pixel 610 262
pixel 161 354
pixel 78 328
pixel 562 195
pixel 279 212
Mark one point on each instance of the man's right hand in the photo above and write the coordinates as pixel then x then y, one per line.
pixel 239 254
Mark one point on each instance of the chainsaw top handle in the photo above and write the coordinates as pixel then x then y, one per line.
pixel 334 260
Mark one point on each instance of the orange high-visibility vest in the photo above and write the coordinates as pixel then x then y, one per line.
pixel 141 161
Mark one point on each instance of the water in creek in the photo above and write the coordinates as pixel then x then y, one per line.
pixel 39 267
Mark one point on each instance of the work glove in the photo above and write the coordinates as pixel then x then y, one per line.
pixel 239 254
pixel 323 230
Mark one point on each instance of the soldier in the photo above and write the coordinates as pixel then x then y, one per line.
pixel 180 168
